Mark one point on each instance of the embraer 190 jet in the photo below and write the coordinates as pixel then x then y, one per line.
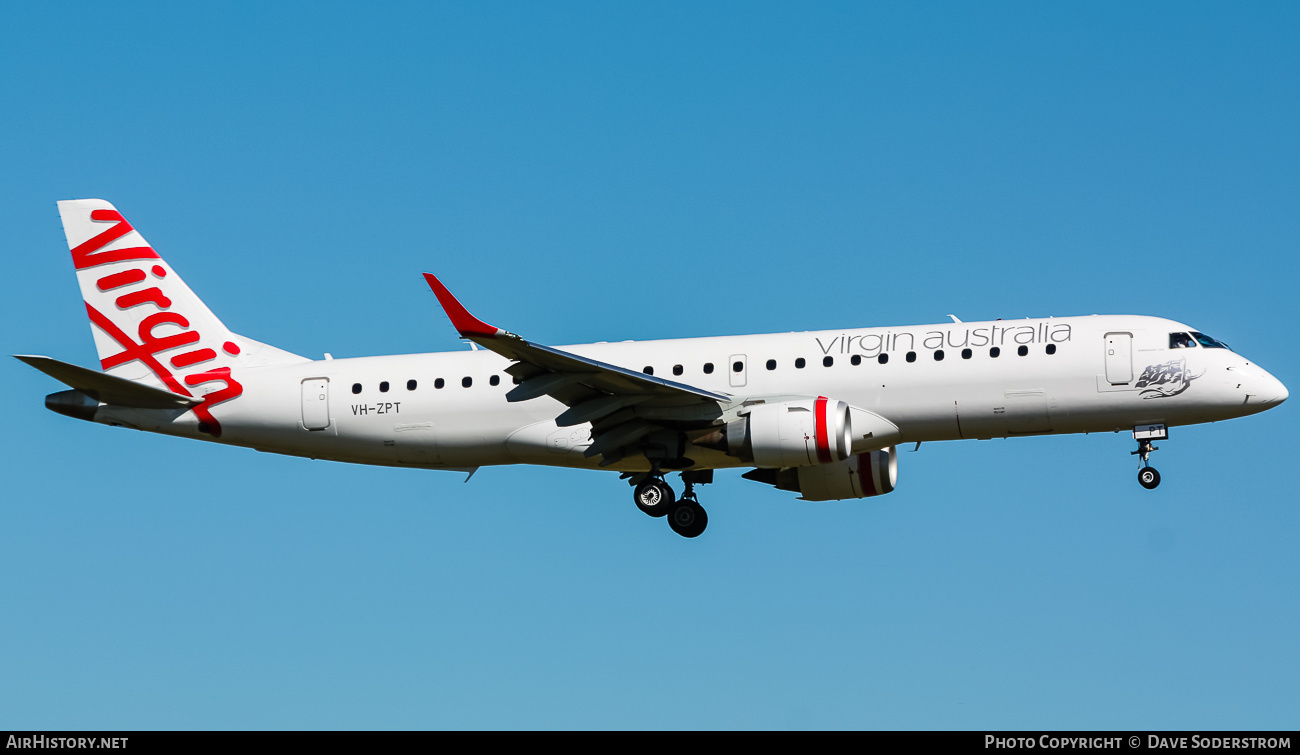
pixel 818 414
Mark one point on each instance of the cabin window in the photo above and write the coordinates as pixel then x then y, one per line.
pixel 1023 351
pixel 648 370
pixel 466 382
pixel 995 352
pixel 410 385
pixel 966 353
pixel 828 361
pixel 1051 348
pixel 383 387
pixel 356 387
pixel 771 364
pixel 799 363
pixel 708 368
pixel 883 359
pixel 911 356
pixel 737 366
pixel 677 369
pixel 494 380
pixel 855 360
pixel 938 355
pixel 439 383
pixel 1181 341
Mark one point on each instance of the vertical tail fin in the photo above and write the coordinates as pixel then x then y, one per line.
pixel 148 325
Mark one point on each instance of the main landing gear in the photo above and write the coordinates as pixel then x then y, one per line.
pixel 1148 477
pixel 655 497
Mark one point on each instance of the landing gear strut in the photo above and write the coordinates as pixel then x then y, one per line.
pixel 688 518
pixel 655 497
pixel 1148 477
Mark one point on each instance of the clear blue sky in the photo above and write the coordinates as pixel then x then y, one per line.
pixel 602 171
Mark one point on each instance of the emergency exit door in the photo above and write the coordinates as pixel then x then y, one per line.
pixel 316 403
pixel 736 369
pixel 1119 358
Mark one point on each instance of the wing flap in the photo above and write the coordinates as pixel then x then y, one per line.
pixel 595 408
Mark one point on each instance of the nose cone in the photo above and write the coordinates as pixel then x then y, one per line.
pixel 1279 392
pixel 1269 391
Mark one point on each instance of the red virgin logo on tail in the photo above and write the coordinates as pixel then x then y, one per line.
pixel 132 289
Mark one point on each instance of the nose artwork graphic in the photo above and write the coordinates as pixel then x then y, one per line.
pixel 1168 379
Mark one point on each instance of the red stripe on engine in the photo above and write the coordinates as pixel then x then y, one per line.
pixel 823 436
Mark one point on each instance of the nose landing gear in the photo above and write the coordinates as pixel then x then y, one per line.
pixel 1148 477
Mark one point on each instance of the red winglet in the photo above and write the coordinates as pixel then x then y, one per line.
pixel 465 323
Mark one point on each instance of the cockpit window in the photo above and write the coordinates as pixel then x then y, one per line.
pixel 1181 341
pixel 1210 343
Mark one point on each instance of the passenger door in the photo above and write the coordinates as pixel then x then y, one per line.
pixel 316 403
pixel 1119 358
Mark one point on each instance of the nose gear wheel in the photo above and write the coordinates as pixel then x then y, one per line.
pixel 1148 477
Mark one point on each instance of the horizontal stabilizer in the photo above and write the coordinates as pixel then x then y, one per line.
pixel 108 388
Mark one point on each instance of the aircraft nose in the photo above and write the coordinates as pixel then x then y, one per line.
pixel 1272 392
pixel 1281 392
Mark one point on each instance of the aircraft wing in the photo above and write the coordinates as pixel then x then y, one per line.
pixel 594 391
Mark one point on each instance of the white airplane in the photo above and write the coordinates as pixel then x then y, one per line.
pixel 816 413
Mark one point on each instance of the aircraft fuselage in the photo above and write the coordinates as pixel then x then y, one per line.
pixel 442 410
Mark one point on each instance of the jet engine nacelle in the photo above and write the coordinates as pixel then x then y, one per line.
pixel 859 476
pixel 806 432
